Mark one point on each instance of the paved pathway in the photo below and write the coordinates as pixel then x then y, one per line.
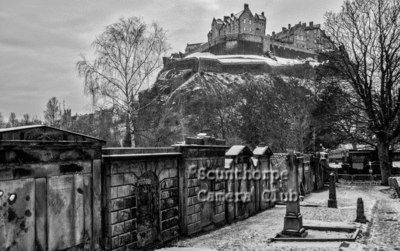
pixel 384 228
pixel 382 233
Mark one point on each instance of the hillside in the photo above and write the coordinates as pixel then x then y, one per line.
pixel 242 108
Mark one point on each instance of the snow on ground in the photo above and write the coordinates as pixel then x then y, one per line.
pixel 254 233
pixel 233 59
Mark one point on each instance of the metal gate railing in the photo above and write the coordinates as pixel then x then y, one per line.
pixel 371 179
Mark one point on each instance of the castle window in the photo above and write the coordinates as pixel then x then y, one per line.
pixel 244 20
pixel 250 22
pixel 244 28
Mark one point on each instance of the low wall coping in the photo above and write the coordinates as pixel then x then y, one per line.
pixel 141 155
pixel 203 146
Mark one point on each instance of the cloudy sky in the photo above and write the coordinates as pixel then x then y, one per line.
pixel 40 40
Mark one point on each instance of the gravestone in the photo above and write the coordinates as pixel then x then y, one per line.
pixel 360 211
pixel 332 202
pixel 293 221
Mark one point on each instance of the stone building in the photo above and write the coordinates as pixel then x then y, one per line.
pixel 190 47
pixel 242 22
pixel 302 36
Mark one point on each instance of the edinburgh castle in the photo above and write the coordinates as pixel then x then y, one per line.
pixel 245 33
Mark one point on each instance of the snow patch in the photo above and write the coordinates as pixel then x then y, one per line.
pixel 248 59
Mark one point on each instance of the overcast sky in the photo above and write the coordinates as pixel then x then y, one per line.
pixel 40 41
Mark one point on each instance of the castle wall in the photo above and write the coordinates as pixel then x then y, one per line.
pixel 239 46
pixel 210 65
pixel 288 52
pixel 248 44
pixel 213 65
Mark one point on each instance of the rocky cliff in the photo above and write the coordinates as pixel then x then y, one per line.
pixel 183 103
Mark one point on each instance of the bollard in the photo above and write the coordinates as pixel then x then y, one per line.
pixel 332 202
pixel 360 211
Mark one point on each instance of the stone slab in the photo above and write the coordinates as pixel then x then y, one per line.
pixel 324 226
pixel 329 225
pixel 17 215
pixel 185 249
pixel 296 244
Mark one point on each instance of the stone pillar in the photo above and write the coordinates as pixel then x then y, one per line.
pixel 293 221
pixel 332 202
pixel 360 211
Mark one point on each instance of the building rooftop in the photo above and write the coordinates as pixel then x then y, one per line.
pixel 42 133
pixel 238 150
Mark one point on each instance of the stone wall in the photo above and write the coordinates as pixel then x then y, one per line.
pixel 213 65
pixel 197 216
pixel 209 65
pixel 310 173
pixel 278 164
pixel 238 46
pixel 182 64
pixel 289 51
pixel 141 197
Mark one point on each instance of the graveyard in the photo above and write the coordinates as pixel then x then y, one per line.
pixel 257 137
pixel 256 233
pixel 62 190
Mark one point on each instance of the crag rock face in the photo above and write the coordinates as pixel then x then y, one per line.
pixel 183 103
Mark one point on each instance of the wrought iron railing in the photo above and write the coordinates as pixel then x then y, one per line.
pixel 372 179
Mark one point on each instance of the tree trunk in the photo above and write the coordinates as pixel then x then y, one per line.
pixel 128 137
pixel 383 154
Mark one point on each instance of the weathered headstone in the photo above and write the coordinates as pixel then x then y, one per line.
pixel 360 211
pixel 332 202
pixel 293 221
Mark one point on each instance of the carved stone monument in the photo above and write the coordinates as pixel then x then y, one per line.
pixel 332 202
pixel 360 211
pixel 293 221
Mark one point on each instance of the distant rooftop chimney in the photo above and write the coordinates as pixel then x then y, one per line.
pixel 262 13
pixel 273 33
pixel 283 28
pixel 231 14
pixel 246 6
pixel 311 24
pixel 289 26
pixel 304 24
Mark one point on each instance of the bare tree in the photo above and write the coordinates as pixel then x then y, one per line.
pixel 1 121
pixel 53 113
pixel 12 120
pixel 26 119
pixel 366 44
pixel 128 54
